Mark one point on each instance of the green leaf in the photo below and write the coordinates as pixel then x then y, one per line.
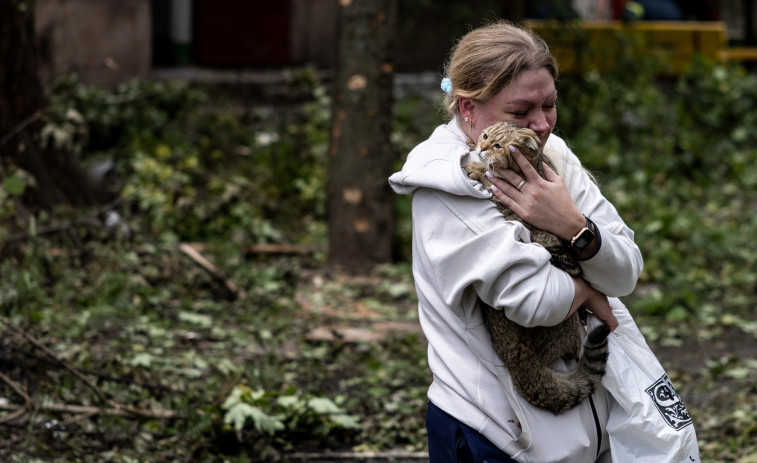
pixel 336 415
pixel 15 185
pixel 739 373
pixel 289 401
pixel 239 413
pixel 196 319
pixel 143 359
pixel 323 405
pixel 346 421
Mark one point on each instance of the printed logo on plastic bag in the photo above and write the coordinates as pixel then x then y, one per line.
pixel 669 404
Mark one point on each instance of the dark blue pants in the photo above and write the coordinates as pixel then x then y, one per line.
pixel 450 441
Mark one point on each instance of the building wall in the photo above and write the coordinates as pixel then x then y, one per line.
pixel 313 32
pixel 103 42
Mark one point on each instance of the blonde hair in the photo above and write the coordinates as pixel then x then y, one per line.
pixel 487 59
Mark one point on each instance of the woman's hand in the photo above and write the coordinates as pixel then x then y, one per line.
pixel 545 203
pixel 593 301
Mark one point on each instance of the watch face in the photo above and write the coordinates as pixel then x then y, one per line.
pixel 583 239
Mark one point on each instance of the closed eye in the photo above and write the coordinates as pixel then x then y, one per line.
pixel 497 146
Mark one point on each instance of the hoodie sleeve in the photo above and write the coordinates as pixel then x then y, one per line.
pixel 617 266
pixel 459 242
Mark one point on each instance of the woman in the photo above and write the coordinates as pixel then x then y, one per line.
pixel 465 252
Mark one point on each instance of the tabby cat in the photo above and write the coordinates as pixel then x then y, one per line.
pixel 529 352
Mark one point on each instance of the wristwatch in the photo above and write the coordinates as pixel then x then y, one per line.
pixel 583 237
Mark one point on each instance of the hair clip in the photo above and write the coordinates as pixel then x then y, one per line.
pixel 446 85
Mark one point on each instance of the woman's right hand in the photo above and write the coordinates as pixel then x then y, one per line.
pixel 545 202
pixel 593 301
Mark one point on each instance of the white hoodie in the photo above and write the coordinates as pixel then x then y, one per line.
pixel 463 250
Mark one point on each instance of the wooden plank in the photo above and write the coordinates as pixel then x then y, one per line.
pixel 739 54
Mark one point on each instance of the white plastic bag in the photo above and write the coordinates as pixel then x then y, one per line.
pixel 649 423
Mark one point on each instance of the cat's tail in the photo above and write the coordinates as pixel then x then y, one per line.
pixel 562 390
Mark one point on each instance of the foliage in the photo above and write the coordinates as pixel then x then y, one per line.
pixel 298 359
pixel 295 416
pixel 673 157
pixel 170 155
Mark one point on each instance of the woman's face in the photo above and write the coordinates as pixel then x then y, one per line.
pixel 529 101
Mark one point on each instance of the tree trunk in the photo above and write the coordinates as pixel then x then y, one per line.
pixel 360 152
pixel 58 177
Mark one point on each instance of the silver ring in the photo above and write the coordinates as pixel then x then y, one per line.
pixel 520 185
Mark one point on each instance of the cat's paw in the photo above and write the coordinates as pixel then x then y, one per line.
pixel 477 171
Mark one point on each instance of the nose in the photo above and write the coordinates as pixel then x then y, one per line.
pixel 540 124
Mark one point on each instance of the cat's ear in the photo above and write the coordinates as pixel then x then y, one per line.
pixel 531 144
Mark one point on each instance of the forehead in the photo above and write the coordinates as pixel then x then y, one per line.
pixel 532 86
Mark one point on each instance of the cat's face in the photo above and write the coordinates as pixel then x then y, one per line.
pixel 494 140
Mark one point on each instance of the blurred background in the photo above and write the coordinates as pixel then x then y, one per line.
pixel 200 257
pixel 106 41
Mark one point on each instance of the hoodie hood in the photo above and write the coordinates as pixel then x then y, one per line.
pixel 437 163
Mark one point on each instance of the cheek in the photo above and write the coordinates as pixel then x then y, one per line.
pixel 487 121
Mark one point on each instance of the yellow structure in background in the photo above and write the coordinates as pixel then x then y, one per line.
pixel 586 45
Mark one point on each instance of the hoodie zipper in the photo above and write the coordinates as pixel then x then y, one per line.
pixel 596 424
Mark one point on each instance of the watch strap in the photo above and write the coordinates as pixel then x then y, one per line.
pixel 597 236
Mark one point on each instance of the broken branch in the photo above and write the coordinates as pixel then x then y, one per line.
pixel 52 354
pixel 199 259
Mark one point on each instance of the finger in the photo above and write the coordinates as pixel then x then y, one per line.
pixel 504 179
pixel 499 187
pixel 528 170
pixel 503 191
pixel 513 178
pixel 549 173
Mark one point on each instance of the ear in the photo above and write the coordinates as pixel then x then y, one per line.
pixel 467 106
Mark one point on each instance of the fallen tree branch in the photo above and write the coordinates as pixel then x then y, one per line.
pixel 199 259
pixel 18 388
pixel 18 413
pixel 81 409
pixel 145 413
pixel 279 249
pixel 52 354
pixel 99 376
